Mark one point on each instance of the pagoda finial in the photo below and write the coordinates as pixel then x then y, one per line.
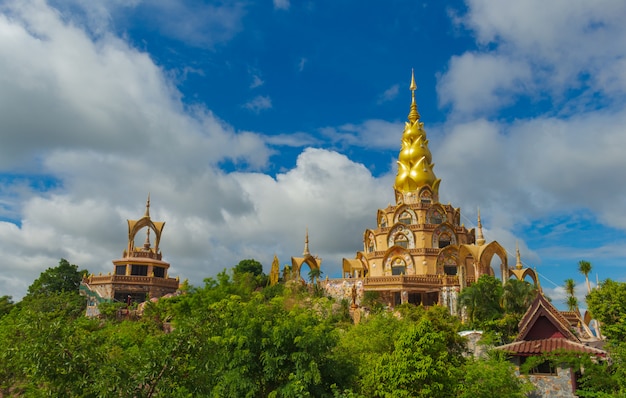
pixel 413 113
pixel 415 167
pixel 306 244
pixel 518 257
pixel 148 206
pixel 480 239
pixel 146 244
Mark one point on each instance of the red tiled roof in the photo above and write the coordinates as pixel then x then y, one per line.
pixel 535 347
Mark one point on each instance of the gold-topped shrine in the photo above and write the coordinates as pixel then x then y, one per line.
pixel 141 273
pixel 419 252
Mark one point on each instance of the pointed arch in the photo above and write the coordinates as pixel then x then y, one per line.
pixel 381 219
pixel 134 226
pixel 395 259
pixel 457 217
pixel 405 215
pixel 444 236
pixel 426 195
pixel 400 235
pixel 448 260
pixel 369 241
pixel 490 250
pixel 436 215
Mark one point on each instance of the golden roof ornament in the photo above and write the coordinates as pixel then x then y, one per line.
pixel 480 239
pixel 147 214
pixel 306 251
pixel 518 257
pixel 146 244
pixel 415 167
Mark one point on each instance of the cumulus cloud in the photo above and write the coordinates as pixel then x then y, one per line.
pixel 390 94
pixel 535 49
pixel 90 126
pixel 259 103
pixel 281 4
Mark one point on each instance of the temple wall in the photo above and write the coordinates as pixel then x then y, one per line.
pixel 341 289
pixel 551 386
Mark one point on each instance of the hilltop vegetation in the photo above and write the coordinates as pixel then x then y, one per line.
pixel 236 337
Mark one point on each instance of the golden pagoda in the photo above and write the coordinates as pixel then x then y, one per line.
pixel 419 252
pixel 140 273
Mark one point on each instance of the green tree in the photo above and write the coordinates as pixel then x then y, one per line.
pixel 249 266
pixel 63 278
pixel 492 377
pixel 607 304
pixel 6 303
pixel 420 365
pixel 571 300
pixel 482 300
pixel 315 274
pixel 584 267
pixel 517 296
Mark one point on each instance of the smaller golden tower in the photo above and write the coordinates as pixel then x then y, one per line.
pixel 141 272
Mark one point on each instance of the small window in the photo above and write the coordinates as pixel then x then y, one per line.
pixel 544 368
pixel 436 217
pixel 401 241
pixel 159 272
pixel 139 270
pixel 444 240
pixel 120 270
pixel 405 218
pixel 449 269
pixel 398 270
pixel 371 246
pixel 383 222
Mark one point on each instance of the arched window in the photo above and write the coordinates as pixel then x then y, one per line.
pixel 444 240
pixel 383 221
pixel 426 196
pixel 435 216
pixel 401 240
pixel 371 244
pixel 398 267
pixel 405 218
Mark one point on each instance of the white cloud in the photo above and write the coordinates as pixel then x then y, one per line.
pixel 101 124
pixel 390 94
pixel 535 49
pixel 281 4
pixel 301 64
pixel 259 103
pixel 480 83
pixel 256 82
pixel 371 134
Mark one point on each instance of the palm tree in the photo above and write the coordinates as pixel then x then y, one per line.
pixel 572 303
pixel 570 289
pixel 314 274
pixel 517 296
pixel 585 268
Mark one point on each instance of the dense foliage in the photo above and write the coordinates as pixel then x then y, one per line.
pixel 237 337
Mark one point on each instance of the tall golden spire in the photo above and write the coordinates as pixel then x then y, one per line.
pixel 480 239
pixel 147 214
pixel 306 252
pixel 146 244
pixel 415 169
pixel 518 257
pixel 413 114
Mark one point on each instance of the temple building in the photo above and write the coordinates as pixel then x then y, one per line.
pixel 419 252
pixel 139 274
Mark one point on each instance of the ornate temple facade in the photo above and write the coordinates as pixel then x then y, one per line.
pixel 418 251
pixel 139 274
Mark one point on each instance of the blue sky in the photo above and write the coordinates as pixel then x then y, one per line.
pixel 250 121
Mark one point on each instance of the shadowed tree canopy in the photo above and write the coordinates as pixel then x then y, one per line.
pixel 63 278
pixel 250 266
